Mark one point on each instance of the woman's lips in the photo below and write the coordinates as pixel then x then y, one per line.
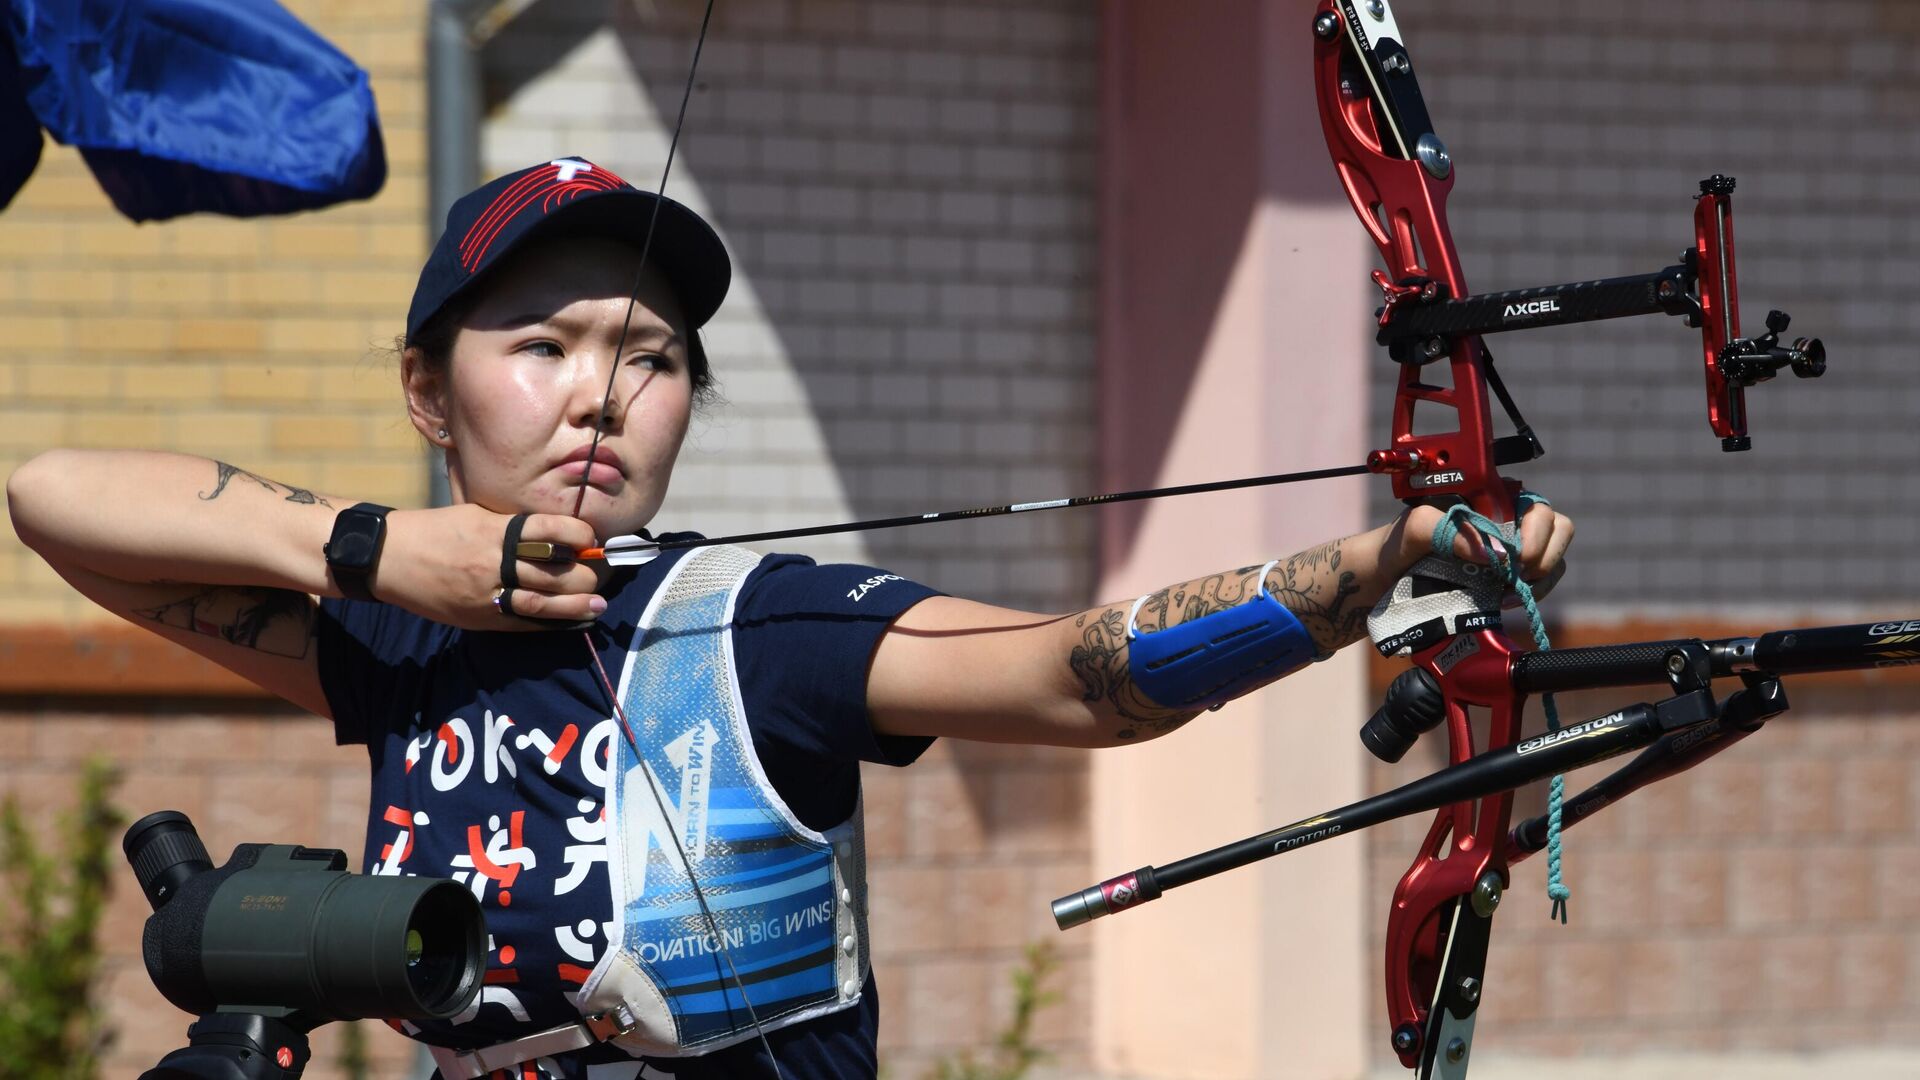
pixel 604 472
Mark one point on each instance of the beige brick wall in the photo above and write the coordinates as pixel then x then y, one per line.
pixel 256 341
pixel 964 850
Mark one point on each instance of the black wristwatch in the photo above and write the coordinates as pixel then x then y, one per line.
pixel 354 547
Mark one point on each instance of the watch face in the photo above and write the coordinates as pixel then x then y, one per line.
pixel 353 549
pixel 356 538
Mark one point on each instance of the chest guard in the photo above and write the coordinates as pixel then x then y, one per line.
pixel 694 807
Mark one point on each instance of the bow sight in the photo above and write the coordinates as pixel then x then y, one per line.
pixel 1419 320
pixel 1397 174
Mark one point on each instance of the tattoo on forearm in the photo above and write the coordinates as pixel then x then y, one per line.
pixel 1330 616
pixel 228 472
pixel 1100 662
pixel 1310 584
pixel 274 621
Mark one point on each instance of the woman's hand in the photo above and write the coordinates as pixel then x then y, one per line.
pixel 1544 536
pixel 444 564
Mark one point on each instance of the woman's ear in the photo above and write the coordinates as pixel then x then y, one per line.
pixel 426 386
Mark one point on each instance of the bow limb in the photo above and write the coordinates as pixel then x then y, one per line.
pixel 1397 174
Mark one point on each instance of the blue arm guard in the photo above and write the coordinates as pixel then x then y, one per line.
pixel 1206 662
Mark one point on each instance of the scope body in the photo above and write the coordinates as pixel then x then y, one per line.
pixel 281 928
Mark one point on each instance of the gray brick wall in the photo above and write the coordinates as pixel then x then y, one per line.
pixel 907 191
pixel 1762 903
pixel 908 194
pixel 1579 132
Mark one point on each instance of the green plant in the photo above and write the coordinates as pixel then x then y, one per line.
pixel 1013 1049
pixel 353 1061
pixel 50 1026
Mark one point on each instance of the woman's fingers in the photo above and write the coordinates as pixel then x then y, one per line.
pixel 533 610
pixel 560 578
pixel 446 565
pixel 558 529
pixel 1544 536
pixel 550 593
pixel 560 574
pixel 1469 547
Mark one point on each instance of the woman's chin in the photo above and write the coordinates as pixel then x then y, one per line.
pixel 615 512
pixel 610 518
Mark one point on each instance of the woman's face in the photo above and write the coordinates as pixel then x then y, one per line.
pixel 528 377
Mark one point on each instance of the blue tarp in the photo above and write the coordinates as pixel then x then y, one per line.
pixel 227 106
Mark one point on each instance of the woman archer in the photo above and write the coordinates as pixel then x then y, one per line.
pixel 648 774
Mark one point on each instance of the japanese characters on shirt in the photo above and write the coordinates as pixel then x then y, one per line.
pixel 492 856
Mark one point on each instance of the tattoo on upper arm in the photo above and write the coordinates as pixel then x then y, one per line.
pixel 274 621
pixel 228 472
pixel 1100 658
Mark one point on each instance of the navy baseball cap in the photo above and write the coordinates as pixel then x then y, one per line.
pixel 572 195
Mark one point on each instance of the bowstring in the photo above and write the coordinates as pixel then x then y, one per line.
pixel 640 273
pixel 600 425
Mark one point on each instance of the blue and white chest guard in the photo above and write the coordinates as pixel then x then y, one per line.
pixel 790 903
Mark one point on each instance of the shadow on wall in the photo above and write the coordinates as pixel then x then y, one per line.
pixel 914 209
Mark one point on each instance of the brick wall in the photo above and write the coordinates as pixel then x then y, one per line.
pixel 244 772
pixel 1580 132
pixel 257 342
pixel 1763 902
pixel 907 191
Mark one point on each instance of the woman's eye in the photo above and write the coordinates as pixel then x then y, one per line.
pixel 654 362
pixel 543 348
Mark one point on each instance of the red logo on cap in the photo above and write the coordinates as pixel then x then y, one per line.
pixel 550 186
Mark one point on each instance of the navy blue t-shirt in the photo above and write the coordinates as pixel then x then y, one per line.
pixel 490 752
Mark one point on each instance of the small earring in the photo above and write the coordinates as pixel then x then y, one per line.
pixel 443 433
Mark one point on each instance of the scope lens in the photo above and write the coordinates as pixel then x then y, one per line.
pixel 445 938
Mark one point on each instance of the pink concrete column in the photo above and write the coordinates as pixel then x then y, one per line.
pixel 1234 341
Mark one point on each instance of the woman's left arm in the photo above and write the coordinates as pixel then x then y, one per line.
pixel 956 668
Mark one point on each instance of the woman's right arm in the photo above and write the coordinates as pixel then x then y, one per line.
pixel 229 563
pixel 213 557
